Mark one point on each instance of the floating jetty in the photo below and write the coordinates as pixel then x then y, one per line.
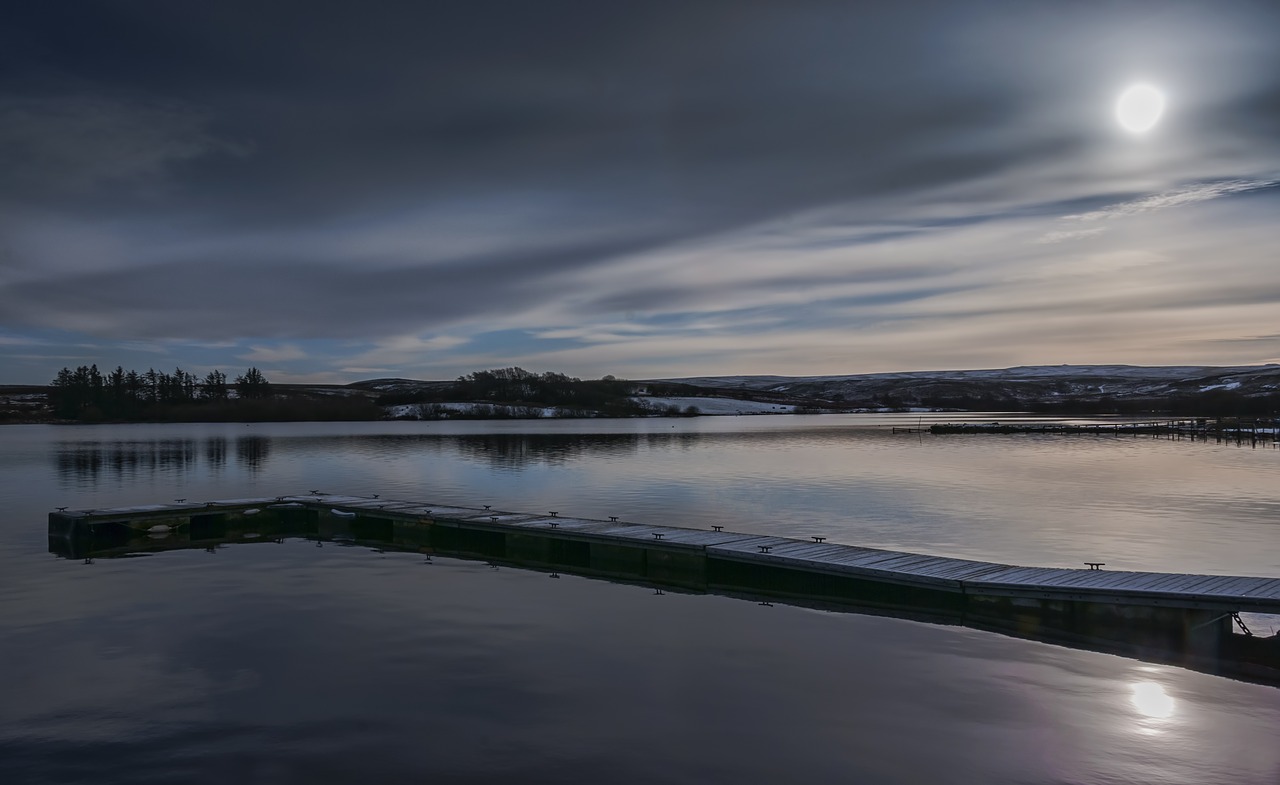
pixel 1187 617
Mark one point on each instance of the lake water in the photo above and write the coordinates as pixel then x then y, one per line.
pixel 284 662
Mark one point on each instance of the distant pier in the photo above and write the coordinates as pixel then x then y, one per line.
pixel 1190 616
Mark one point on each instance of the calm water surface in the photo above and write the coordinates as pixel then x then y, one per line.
pixel 291 663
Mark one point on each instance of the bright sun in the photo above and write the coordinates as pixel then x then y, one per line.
pixel 1139 108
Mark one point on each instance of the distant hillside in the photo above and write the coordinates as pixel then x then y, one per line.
pixel 1060 389
pixel 1028 387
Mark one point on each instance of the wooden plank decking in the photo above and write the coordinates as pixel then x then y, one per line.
pixel 1227 594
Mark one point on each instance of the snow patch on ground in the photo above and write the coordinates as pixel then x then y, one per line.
pixel 419 410
pixel 715 405
pixel 655 405
pixel 1223 386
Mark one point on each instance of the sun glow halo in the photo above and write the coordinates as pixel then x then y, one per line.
pixel 1139 108
pixel 1151 700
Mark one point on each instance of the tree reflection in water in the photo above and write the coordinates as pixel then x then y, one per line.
pixel 90 461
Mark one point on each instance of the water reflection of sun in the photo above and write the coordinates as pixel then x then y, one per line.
pixel 1151 700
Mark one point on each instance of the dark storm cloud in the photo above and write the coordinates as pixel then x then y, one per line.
pixel 709 114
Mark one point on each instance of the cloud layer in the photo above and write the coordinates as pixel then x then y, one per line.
pixel 639 189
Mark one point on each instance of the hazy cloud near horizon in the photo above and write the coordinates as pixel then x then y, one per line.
pixel 334 191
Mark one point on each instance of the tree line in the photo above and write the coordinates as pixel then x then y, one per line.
pixel 549 388
pixel 88 394
pixel 515 392
pixel 516 386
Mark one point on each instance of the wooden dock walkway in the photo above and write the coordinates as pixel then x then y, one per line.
pixel 663 551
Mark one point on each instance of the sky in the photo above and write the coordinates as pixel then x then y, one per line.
pixel 343 191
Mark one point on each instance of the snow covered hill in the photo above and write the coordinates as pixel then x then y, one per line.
pixel 1025 383
pixel 1041 387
